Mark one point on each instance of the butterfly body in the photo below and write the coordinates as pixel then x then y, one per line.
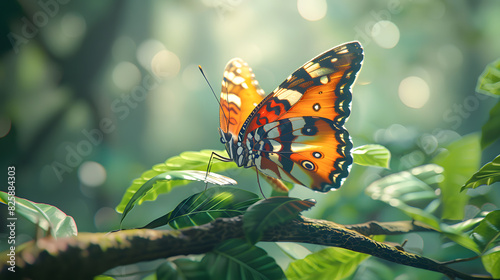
pixel 296 133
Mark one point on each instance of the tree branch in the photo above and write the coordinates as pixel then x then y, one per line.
pixel 91 254
pixel 389 228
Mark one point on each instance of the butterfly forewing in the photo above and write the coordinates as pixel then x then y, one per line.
pixel 323 86
pixel 240 94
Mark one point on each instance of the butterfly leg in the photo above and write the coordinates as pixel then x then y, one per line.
pixel 258 182
pixel 214 155
pixel 276 184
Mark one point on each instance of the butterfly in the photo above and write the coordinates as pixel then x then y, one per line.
pixel 296 133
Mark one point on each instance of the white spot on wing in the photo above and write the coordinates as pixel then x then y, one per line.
pixel 291 96
pixel 231 98
pixel 238 80
pixel 297 124
pixel 299 147
pixel 275 158
pixel 276 145
pixel 273 133
pixel 229 75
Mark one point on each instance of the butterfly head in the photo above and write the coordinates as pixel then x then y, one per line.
pixel 235 149
pixel 226 138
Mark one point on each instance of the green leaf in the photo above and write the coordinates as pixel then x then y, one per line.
pixel 166 271
pixel 191 175
pixel 402 189
pixel 236 259
pixel 487 175
pixel 103 277
pixel 294 251
pixel 270 212
pixel 467 224
pixel 489 132
pixel 371 269
pixel 491 262
pixel 206 206
pixel 185 161
pixel 489 81
pixel 329 263
pixel 459 237
pixel 44 215
pixel 182 269
pixel 488 231
pixel 460 161
pixel 372 155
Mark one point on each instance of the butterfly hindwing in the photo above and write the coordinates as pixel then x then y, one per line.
pixel 311 151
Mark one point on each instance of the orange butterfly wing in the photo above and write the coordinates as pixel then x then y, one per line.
pixel 315 97
pixel 240 94
pixel 311 151
pixel 325 80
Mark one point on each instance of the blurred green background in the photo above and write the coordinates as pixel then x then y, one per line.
pixel 94 93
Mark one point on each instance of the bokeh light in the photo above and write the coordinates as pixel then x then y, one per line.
pixel 92 174
pixel 386 34
pixel 312 10
pixel 165 64
pixel 73 25
pixel 126 75
pixel 414 92
pixel 147 50
pixel 105 218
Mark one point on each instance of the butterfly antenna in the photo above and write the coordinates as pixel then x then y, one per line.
pixel 215 95
pixel 227 98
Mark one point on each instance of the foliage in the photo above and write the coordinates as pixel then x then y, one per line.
pixel 460 160
pixel 184 161
pixel 236 259
pixel 414 186
pixel 329 263
pixel 206 206
pixel 372 155
pixel 487 175
pixel 45 216
pixel 184 175
pixel 489 131
pixel 489 81
pixel 270 212
pixel 182 269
